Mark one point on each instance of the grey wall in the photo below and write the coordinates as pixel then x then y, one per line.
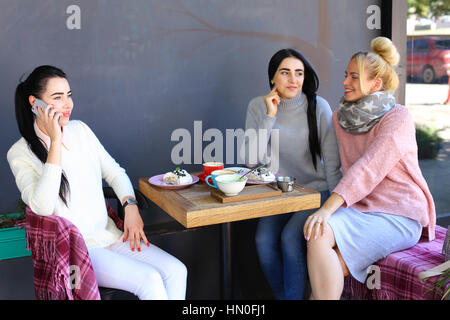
pixel 141 69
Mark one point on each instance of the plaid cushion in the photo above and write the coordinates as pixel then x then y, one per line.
pixel 399 273
pixel 62 267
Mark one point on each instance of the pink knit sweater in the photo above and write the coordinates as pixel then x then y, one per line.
pixel 381 170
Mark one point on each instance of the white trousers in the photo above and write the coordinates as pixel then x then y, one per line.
pixel 151 274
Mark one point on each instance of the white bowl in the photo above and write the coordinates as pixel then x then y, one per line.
pixel 231 184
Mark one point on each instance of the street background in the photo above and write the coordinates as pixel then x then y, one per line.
pixel 425 102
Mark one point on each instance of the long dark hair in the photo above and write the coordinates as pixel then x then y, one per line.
pixel 35 86
pixel 310 87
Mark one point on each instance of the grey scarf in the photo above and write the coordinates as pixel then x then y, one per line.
pixel 360 116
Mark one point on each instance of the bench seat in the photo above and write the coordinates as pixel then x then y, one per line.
pixel 399 273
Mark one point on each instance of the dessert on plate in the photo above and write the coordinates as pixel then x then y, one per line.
pixel 261 175
pixel 177 177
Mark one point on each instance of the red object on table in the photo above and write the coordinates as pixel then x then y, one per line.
pixel 209 167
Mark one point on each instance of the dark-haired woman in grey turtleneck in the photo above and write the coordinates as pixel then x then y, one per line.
pixel 300 135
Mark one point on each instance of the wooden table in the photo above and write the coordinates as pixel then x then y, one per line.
pixel 195 207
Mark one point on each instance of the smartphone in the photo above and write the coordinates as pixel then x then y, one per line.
pixel 40 103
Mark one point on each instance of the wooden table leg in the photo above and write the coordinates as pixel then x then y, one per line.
pixel 227 280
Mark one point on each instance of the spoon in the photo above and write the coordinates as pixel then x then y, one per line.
pixel 264 165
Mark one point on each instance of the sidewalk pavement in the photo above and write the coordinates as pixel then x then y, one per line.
pixel 425 104
pixel 437 175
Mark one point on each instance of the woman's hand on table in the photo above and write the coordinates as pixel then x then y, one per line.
pixel 134 228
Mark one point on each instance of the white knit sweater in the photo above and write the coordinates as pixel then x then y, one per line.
pixel 85 163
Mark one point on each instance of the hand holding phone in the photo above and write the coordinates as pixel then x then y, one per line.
pixel 38 103
pixel 50 119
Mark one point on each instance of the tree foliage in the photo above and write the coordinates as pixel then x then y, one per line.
pixel 429 8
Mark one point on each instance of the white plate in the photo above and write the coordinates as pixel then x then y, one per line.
pixel 264 182
pixel 159 182
pixel 239 170
pixel 243 170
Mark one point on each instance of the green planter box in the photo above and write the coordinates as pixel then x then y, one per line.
pixel 13 242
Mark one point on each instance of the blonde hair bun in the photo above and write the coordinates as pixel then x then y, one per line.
pixel 386 50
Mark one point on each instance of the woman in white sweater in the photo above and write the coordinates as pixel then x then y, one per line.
pixel 59 165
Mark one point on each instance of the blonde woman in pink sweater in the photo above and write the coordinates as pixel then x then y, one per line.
pixel 383 203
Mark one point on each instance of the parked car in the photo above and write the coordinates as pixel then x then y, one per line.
pixel 428 58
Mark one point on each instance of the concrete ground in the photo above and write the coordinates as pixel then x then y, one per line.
pixel 425 104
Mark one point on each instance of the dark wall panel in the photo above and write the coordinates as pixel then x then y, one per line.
pixel 141 69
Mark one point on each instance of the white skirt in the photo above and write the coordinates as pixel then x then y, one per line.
pixel 366 237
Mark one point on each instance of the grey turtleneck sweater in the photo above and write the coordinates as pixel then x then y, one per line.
pixel 293 147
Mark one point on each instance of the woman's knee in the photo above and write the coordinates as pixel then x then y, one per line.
pixel 265 239
pixel 175 270
pixel 151 286
pixel 151 275
pixel 326 240
pixel 293 238
pixel 181 271
pixel 268 231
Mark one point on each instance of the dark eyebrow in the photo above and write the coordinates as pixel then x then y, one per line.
pixel 59 93
pixel 290 69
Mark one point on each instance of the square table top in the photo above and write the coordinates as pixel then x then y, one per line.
pixel 194 206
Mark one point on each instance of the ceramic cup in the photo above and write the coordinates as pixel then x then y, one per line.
pixel 209 167
pixel 215 174
pixel 231 184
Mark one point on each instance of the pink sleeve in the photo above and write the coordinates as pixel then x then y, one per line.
pixel 394 138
